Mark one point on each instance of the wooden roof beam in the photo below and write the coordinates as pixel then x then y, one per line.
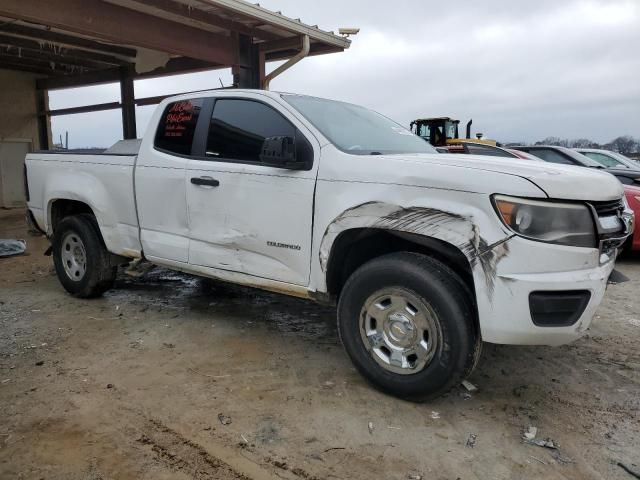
pixel 36 66
pixel 112 23
pixel 61 54
pixel 175 66
pixel 179 12
pixel 44 33
pixel 18 54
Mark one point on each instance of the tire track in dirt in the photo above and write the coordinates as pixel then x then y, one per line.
pixel 181 454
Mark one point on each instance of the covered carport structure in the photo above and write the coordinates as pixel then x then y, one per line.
pixel 46 45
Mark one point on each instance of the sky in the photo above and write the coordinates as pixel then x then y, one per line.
pixel 523 70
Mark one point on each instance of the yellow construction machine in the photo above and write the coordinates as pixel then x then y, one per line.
pixel 443 132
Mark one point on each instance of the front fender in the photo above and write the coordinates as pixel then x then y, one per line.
pixel 460 231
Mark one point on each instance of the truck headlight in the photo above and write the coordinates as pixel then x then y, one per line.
pixel 545 221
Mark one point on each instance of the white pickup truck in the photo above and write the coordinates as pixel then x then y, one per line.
pixel 426 255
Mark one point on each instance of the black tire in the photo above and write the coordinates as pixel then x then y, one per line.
pixel 447 296
pixel 99 274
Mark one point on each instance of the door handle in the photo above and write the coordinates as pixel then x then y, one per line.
pixel 207 181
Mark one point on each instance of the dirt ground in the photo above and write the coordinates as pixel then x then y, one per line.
pixel 176 377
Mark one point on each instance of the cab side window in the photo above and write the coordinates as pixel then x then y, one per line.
pixel 238 129
pixel 178 125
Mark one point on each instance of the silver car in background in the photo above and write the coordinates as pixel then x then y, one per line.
pixel 608 158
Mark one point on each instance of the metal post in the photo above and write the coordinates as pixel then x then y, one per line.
pixel 128 101
pixel 248 72
pixel 42 119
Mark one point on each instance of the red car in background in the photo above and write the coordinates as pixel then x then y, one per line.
pixel 633 197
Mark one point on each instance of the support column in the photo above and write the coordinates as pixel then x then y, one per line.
pixel 249 70
pixel 42 119
pixel 128 101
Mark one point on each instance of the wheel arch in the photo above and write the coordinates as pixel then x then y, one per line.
pixel 355 246
pixel 59 208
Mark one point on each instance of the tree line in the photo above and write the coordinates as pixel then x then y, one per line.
pixel 625 144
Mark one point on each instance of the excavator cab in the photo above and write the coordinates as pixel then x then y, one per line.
pixel 436 131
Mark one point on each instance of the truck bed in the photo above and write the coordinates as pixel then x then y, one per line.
pixel 103 180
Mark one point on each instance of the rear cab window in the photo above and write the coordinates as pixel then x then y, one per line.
pixel 177 126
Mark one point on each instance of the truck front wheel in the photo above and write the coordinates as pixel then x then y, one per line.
pixel 80 257
pixel 407 322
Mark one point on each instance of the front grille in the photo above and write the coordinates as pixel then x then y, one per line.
pixel 608 208
pixel 611 238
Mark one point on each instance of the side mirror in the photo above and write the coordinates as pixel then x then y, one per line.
pixel 287 152
pixel 278 151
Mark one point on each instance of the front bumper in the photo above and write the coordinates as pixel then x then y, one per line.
pixel 505 317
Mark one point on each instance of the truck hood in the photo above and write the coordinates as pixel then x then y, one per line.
pixel 566 182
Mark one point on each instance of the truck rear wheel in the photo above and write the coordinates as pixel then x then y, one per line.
pixel 80 257
pixel 407 322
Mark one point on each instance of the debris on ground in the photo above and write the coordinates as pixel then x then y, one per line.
pixel 224 420
pixel 39 363
pixel 370 428
pixel 561 459
pixel 415 477
pixel 530 433
pixel 333 448
pixel 435 415
pixel 469 386
pixel 11 248
pixel 109 385
pixel 139 267
pixel 529 436
pixel 546 443
pixel 471 440
pixel 282 465
pixel 538 460
pixel 629 470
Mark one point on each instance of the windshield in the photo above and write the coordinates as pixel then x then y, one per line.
pixel 582 159
pixel 629 162
pixel 606 160
pixel 451 130
pixel 357 130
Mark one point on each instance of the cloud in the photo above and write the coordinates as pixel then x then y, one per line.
pixel 521 70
